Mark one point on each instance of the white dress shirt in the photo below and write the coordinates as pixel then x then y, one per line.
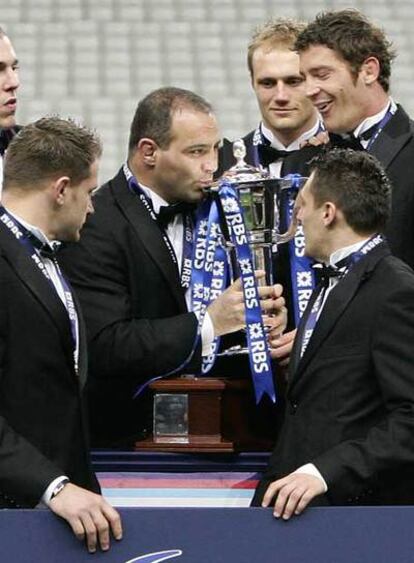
pixel 373 120
pixel 275 168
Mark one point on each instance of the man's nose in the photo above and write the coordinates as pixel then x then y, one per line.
pixel 281 92
pixel 12 81
pixel 311 87
pixel 210 165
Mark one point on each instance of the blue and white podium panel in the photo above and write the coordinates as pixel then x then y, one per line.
pixel 219 535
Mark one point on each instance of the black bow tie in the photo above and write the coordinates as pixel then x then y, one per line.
pixel 352 142
pixel 45 250
pixel 167 213
pixel 325 273
pixel 329 272
pixel 268 154
pixel 349 141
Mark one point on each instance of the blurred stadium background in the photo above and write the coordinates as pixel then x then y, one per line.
pixel 94 59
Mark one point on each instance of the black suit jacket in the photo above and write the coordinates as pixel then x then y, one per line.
pixel 394 148
pixel 350 398
pixel 42 419
pixel 136 316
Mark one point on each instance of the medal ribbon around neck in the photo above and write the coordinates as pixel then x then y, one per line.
pixel 25 238
pixel 185 274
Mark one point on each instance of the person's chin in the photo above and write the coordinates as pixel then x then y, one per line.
pixel 198 195
pixel 71 237
pixel 7 122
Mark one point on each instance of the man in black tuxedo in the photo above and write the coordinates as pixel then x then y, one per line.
pixel 9 83
pixel 346 61
pixel 348 432
pixel 128 270
pixel 281 144
pixel 50 172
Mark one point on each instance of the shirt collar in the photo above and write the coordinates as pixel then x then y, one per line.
pixel 346 251
pixel 38 233
pixel 156 200
pixel 296 144
pixel 374 119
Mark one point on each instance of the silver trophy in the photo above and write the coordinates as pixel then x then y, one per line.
pixel 259 196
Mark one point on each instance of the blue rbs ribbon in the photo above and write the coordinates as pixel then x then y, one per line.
pixel 209 269
pixel 301 267
pixel 259 357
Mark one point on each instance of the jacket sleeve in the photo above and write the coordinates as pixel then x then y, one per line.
pixel 120 340
pixel 25 472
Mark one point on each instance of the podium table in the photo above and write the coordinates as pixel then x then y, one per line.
pixel 209 535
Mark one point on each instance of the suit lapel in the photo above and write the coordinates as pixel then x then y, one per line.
pixel 39 286
pixel 150 235
pixel 395 135
pixel 336 303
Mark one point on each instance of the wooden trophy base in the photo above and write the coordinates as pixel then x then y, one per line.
pixel 222 417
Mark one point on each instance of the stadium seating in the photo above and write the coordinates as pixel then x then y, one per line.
pixel 94 59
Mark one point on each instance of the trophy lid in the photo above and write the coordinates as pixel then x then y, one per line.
pixel 242 172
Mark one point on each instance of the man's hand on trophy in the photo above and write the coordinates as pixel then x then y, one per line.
pixel 281 345
pixel 227 312
pixel 274 310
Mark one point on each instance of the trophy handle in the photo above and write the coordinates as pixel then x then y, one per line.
pixel 290 233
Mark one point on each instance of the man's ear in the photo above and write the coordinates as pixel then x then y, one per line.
pixel 329 213
pixel 370 70
pixel 148 149
pixel 59 190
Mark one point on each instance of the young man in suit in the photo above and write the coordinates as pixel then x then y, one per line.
pixel 288 118
pixel 50 172
pixel 348 433
pixel 346 61
pixel 9 84
pixel 128 270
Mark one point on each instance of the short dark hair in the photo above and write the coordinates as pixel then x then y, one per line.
pixel 356 182
pixel 153 116
pixel 275 33
pixel 352 36
pixel 48 148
